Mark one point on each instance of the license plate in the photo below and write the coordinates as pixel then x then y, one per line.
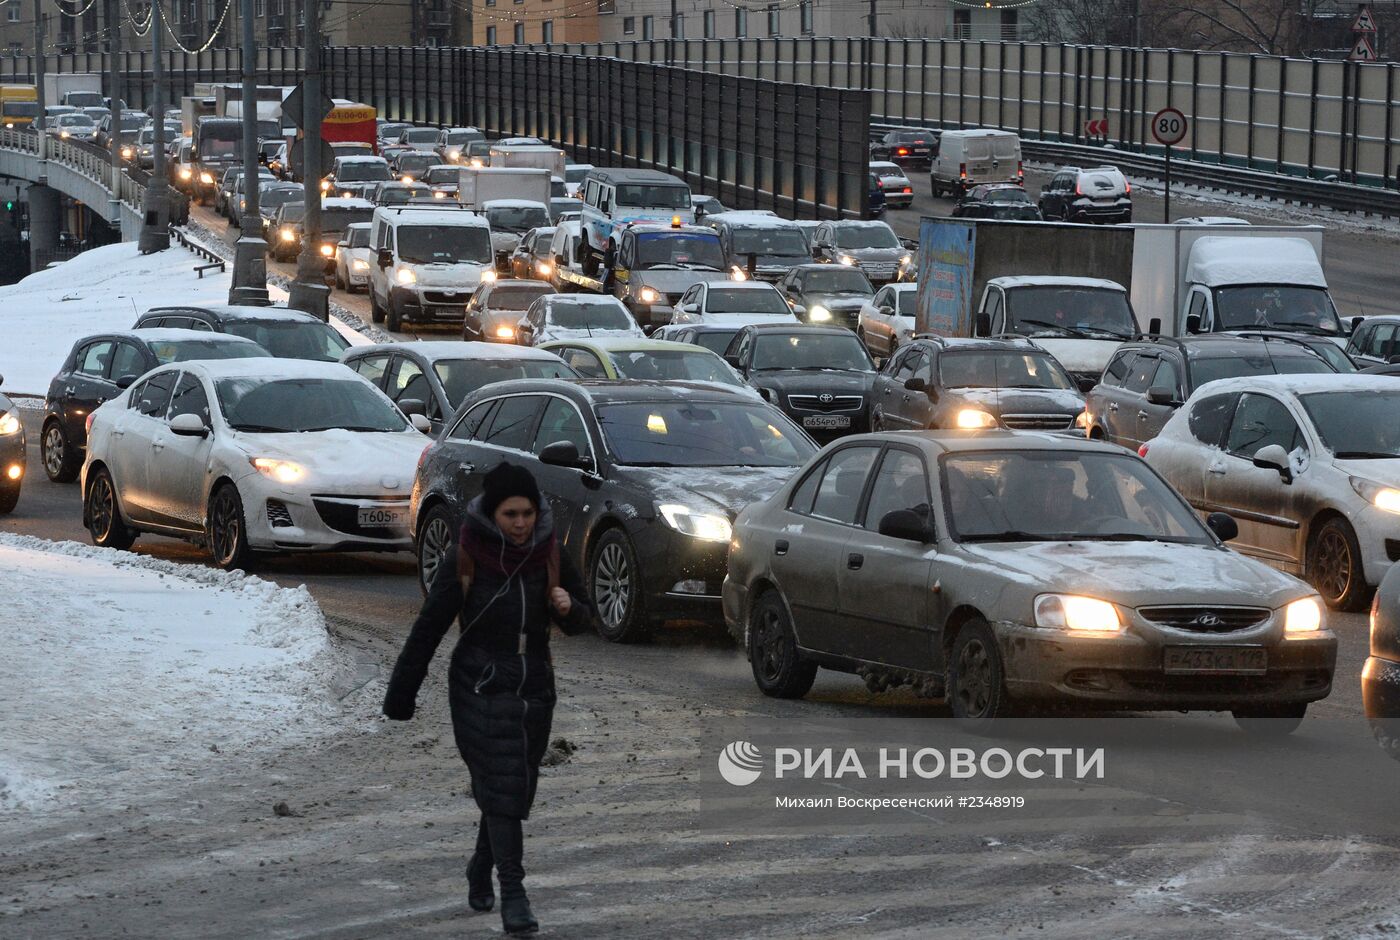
pixel 826 421
pixel 1218 660
pixel 373 517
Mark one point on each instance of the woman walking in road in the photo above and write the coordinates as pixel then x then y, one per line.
pixel 505 581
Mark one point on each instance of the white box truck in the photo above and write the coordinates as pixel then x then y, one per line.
pixel 480 184
pixel 534 155
pixel 85 87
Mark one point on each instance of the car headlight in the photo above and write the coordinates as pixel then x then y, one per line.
pixel 700 525
pixel 504 332
pixel 325 186
pixel 906 259
pixel 476 162
pixel 439 194
pixel 346 194
pixel 287 235
pixel 818 314
pixel 454 155
pixel 737 273
pixel 9 424
pixel 405 178
pixel 648 295
pixel 975 418
pixel 126 153
pixel 1080 614
pixel 1382 497
pixel 406 276
pixel 185 173
pixel 488 276
pixel 206 179
pixel 10 125
pixel 283 471
pixel 64 134
pixel 328 251
pixel 544 268
pixel 1302 616
pixel 1081 420
pixel 359 264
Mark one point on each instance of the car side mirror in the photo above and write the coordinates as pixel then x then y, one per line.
pixel 1161 395
pixel 733 360
pixel 385 257
pixel 906 524
pixel 188 425
pixel 1087 382
pixel 1355 322
pixel 127 381
pixel 561 261
pixel 565 454
pixel 1154 326
pixel 420 423
pixel 1392 360
pixel 413 406
pixel 1193 323
pixel 1224 526
pixel 887 311
pixel 1274 457
pixel 915 384
pixel 982 325
pixel 342 244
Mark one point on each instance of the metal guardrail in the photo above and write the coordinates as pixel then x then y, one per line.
pixel 196 248
pixel 88 160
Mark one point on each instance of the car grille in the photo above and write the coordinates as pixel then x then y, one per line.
pixel 880 268
pixel 342 514
pixel 1037 422
pixel 277 515
pixel 447 297
pixel 815 402
pixel 1206 619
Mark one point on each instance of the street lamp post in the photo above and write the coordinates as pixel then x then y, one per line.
pixel 309 291
pixel 155 205
pixel 250 255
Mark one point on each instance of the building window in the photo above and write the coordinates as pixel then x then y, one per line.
pixel 490 35
pixel 12 11
pixel 606 7
pixel 709 24
pixel 741 23
pixel 547 31
pixel 490 3
pixel 629 25
pixel 647 29
pixel 520 34
pixel 804 12
pixel 774 21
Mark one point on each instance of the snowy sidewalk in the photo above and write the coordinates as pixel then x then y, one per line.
pixel 123 672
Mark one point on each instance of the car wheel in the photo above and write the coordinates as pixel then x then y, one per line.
pixel 778 669
pixel 376 312
pixel 435 537
pixel 9 497
pixel 339 281
pixel 588 260
pixel 228 529
pixel 1334 566
pixel 104 516
pixel 61 461
pixel 1271 721
pixel 615 583
pixel 977 679
pixel 393 319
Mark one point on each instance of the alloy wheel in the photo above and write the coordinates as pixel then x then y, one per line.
pixel 1333 564
pixel 437 537
pixel 101 508
pixel 53 450
pixel 225 527
pixel 769 645
pixel 612 585
pixel 974 679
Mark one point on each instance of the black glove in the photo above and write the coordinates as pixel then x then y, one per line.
pixel 398 707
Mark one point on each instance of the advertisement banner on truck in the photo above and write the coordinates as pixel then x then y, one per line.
pixel 946 251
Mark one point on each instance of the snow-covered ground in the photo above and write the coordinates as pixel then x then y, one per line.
pixel 124 673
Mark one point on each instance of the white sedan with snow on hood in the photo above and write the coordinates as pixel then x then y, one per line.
pixel 252 455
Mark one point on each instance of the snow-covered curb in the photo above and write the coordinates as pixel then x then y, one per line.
pixel 122 670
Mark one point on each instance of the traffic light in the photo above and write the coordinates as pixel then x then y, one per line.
pixel 9 205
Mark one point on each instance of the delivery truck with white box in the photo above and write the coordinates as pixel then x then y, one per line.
pixel 477 185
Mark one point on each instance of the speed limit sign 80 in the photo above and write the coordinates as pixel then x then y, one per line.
pixel 1168 126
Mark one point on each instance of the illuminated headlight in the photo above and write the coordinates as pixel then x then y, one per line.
pixel 736 273
pixel 1081 420
pixel 206 179
pixel 9 424
pixel 405 178
pixel 700 525
pixel 476 162
pixel 283 471
pixel 287 235
pixel 439 194
pixel 847 260
pixel 504 332
pixel 64 134
pixel 1382 497
pixel 818 314
pixel 1080 614
pixel 1302 616
pixel 406 276
pixel 14 471
pixel 454 155
pixel 345 193
pixel 359 264
pixel 325 186
pixel 975 418
pixel 648 295
pixel 9 125
pixel 544 268
pixel 906 259
pixel 328 251
pixel 488 276
pixel 126 153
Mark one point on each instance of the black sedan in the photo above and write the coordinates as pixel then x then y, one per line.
pixel 1380 680
pixel 821 376
pixel 11 454
pixel 99 367
pixel 1002 201
pixel 976 384
pixel 644 480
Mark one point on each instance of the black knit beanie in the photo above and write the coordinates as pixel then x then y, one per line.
pixel 504 481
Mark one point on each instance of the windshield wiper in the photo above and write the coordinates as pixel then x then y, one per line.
pixel 1311 329
pixel 1014 535
pixel 1364 455
pixel 1106 332
pixel 343 427
pixel 1068 331
pixel 259 428
pixel 652 463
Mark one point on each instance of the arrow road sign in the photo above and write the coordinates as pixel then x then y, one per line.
pixel 1098 127
pixel 292 107
pixel 1362 50
pixel 1364 22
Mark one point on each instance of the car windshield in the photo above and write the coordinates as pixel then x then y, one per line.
pixel 681 248
pixel 716 341
pixel 836 280
pixel 653 197
pixel 337 219
pixel 441 174
pixel 357 237
pixel 420 135
pixel 575 174
pixel 274 196
pixel 367 172
pixel 1205 370
pixel 866 236
pixel 741 300
pixel 1056 496
pixel 461 377
pixel 288 339
pixel 1355 424
pixel 516 219
pixel 674 364
pixel 1008 196
pixel 292 405
pixel 1301 309
pixel 702 434
pixel 75 120
pixel 183 350
pixel 577 315
pixel 784 242
pixel 811 350
pixel 510 297
pixel 399 194
pixel 216 147
pixel 84 99
pixel 989 369
pixel 292 211
pixel 415 162
pixel 130 122
pixel 1069 311
pixel 445 244
pixel 462 137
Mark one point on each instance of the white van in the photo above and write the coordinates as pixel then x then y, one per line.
pixel 963 159
pixel 426 262
pixel 612 198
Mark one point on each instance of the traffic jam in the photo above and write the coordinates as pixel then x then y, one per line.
pixel 1116 465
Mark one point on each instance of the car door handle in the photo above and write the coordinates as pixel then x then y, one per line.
pixel 780 547
pixel 1143 416
pixel 1218 470
pixel 854 561
pixel 889 391
pixel 467 468
pixel 68 390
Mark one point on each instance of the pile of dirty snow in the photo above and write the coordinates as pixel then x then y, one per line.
pixel 122 671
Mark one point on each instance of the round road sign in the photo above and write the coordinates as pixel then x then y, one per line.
pixel 1168 126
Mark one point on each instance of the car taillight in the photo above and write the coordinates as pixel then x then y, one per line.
pixel 908 189
pixel 1142 451
pixel 903 151
pixel 962 170
pixel 1127 187
pixel 87 425
pixel 1020 168
pixel 424 456
pixel 1077 190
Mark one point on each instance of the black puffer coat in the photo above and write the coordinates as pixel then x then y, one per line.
pixel 502 698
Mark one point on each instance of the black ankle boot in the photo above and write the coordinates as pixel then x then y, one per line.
pixel 480 895
pixel 507 845
pixel 516 917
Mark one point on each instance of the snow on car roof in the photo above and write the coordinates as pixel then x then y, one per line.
pixel 1054 280
pixel 167 334
pixel 884 165
pixel 1218 260
pixel 512 204
pixel 1303 384
pixel 356 158
pixel 743 285
pixel 453 349
pixel 343 202
pixel 356 226
pixel 269 368
pixel 632 344
pixel 398 215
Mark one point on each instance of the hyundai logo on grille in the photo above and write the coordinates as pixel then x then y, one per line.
pixel 1207 620
pixel 826 398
